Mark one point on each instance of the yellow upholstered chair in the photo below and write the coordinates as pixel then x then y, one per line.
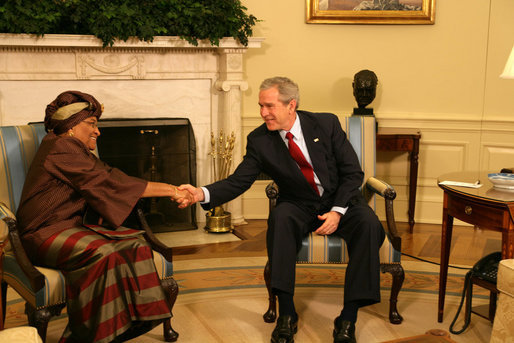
pixel 43 289
pixel 361 131
pixel 503 326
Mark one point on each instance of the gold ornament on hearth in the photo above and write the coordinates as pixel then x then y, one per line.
pixel 217 219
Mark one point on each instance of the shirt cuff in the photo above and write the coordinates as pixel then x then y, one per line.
pixel 341 210
pixel 207 196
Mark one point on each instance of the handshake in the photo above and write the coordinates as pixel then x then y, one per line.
pixel 187 195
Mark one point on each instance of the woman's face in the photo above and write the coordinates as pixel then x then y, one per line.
pixel 87 132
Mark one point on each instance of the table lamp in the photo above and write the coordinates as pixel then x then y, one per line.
pixel 508 72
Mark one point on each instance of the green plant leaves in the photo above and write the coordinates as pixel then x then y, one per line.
pixel 192 20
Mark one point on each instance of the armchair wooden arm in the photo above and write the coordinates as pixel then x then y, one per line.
pixel 37 280
pixel 272 194
pixel 155 243
pixel 386 191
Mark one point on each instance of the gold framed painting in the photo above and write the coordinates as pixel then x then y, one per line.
pixel 370 11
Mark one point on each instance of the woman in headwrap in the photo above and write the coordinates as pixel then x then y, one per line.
pixel 113 290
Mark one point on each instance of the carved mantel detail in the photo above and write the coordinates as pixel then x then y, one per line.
pixel 110 63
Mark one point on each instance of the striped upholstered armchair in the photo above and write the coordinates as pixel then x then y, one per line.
pixel 43 289
pixel 332 249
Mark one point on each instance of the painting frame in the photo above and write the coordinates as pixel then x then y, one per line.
pixel 317 15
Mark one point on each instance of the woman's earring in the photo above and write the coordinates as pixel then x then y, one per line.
pixel 70 133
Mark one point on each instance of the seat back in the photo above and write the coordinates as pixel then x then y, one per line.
pixel 18 145
pixel 361 132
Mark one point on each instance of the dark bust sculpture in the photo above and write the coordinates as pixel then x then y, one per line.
pixel 364 91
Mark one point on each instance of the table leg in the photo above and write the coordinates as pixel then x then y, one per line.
pixel 446 239
pixel 508 242
pixel 413 182
pixel 493 297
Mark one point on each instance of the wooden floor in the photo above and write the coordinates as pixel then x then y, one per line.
pixel 468 244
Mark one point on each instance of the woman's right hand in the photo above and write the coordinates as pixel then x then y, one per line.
pixel 183 198
pixel 195 192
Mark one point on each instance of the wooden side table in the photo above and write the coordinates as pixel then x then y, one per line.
pixel 403 139
pixel 485 207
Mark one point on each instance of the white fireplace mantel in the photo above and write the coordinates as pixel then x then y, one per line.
pixel 168 77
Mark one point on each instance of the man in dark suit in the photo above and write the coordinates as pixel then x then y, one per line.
pixel 319 191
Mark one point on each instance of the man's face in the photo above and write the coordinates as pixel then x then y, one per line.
pixel 276 115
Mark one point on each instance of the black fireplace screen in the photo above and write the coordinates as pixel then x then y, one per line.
pixel 161 150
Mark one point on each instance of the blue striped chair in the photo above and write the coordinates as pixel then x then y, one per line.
pixel 43 289
pixel 332 249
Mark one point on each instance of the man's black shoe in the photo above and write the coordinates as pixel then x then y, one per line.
pixel 344 331
pixel 285 330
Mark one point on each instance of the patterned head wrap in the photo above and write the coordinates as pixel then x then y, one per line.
pixel 69 109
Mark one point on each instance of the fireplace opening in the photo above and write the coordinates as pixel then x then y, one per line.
pixel 161 150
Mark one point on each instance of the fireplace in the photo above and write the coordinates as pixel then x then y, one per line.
pixel 161 150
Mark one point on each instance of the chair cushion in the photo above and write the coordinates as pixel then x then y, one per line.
pixel 54 290
pixel 332 249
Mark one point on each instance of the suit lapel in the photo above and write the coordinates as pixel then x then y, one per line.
pixel 314 141
pixel 283 158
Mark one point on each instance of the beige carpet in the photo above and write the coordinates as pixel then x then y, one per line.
pixel 222 300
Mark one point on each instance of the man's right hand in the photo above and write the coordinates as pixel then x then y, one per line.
pixel 196 192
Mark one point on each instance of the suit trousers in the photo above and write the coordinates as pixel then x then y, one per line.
pixel 362 231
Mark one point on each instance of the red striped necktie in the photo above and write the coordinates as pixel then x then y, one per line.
pixel 298 156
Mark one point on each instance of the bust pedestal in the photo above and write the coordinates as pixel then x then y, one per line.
pixel 363 111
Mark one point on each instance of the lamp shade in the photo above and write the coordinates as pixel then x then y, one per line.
pixel 508 72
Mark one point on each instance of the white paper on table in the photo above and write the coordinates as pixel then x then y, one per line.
pixel 477 184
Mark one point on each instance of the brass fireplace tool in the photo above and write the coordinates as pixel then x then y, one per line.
pixel 217 219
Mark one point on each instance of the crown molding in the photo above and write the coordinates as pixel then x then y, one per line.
pixel 89 41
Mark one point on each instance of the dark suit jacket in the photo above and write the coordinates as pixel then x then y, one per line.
pixel 333 158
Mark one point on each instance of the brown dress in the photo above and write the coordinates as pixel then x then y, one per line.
pixel 112 286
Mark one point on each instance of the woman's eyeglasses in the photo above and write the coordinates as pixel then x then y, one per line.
pixel 93 124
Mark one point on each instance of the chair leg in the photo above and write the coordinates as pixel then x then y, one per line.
pixel 3 304
pixel 171 290
pixel 271 313
pixel 396 271
pixel 40 318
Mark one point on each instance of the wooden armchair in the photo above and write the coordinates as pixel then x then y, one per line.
pixel 361 133
pixel 43 289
